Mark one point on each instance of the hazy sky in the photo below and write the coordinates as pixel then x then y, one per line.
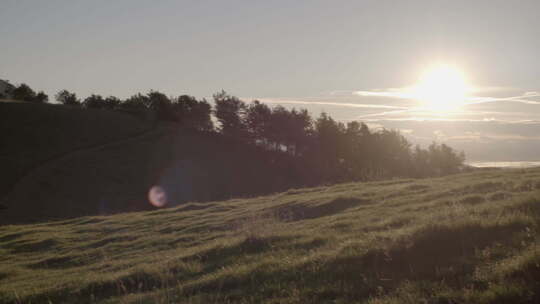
pixel 313 54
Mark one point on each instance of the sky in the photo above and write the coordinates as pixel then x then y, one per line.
pixel 348 58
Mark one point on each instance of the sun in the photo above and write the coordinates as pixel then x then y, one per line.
pixel 442 88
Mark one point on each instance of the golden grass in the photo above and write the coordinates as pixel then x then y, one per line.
pixel 469 238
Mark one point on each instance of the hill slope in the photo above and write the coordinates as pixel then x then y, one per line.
pixel 469 238
pixel 33 134
pixel 62 162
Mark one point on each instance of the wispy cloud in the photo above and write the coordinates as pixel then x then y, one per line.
pixel 327 103
pixel 400 103
pixel 390 93
pixel 442 119
pixel 523 98
pixel 406 93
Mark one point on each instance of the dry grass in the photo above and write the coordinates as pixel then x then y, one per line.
pixel 469 238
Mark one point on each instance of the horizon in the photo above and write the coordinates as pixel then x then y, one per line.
pixel 354 62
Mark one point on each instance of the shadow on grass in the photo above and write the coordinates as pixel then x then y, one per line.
pixel 301 211
pixel 472 200
pixel 192 206
pixel 141 281
pixel 3 275
pixel 393 182
pixel 77 221
pixel 63 262
pixel 435 254
pixel 28 247
pixel 105 242
pixel 217 257
pixel 529 206
pixel 417 187
pixel 498 196
pixel 11 237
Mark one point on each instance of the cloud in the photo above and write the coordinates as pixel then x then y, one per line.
pixel 391 93
pixel 406 93
pixel 374 126
pixel 395 104
pixel 451 120
pixel 327 103
pixel 523 98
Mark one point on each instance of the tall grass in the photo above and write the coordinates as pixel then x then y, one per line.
pixel 469 238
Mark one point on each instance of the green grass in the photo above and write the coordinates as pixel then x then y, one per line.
pixel 36 133
pixel 469 238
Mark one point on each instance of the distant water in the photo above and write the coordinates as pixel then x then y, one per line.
pixel 507 164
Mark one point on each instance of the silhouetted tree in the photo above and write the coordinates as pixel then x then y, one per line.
pixel 393 153
pixel 41 97
pixel 193 114
pixel 229 112
pixel 111 102
pixel 97 102
pixel 94 102
pixel 301 131
pixel 67 98
pixel 258 119
pixel 291 147
pixel 23 92
pixel 329 150
pixel 421 161
pixel 136 102
pixel 161 105
pixel 444 160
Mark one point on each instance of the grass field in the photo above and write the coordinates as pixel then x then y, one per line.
pixel 469 238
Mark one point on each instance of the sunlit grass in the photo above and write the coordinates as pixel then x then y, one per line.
pixel 469 238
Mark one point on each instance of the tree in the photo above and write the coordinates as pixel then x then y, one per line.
pixel 41 97
pixel 111 102
pixel 301 132
pixel 161 105
pixel 136 102
pixel 393 153
pixel 67 98
pixel 258 117
pixel 193 114
pixel 94 102
pixel 24 92
pixel 444 160
pixel 229 112
pixel 97 102
pixel 328 151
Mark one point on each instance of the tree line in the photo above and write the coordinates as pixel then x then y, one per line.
pixel 323 150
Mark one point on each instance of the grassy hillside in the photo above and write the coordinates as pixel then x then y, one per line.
pixel 62 162
pixel 35 133
pixel 469 238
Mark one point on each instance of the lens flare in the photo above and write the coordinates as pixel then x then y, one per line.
pixel 157 196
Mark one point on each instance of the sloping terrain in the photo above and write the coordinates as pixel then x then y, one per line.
pixel 33 134
pixel 116 177
pixel 62 162
pixel 468 238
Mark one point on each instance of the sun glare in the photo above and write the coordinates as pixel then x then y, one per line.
pixel 442 89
